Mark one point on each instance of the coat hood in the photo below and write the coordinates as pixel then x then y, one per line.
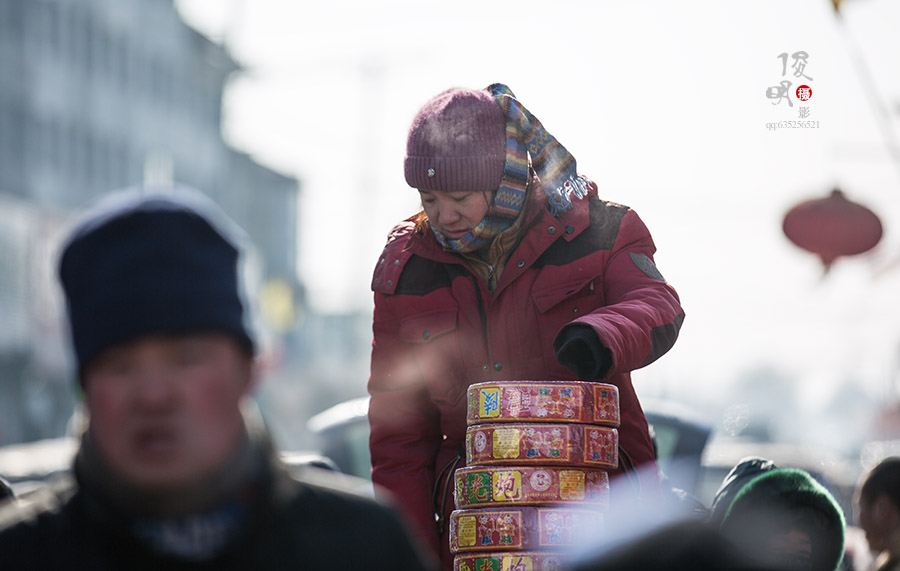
pixel 737 478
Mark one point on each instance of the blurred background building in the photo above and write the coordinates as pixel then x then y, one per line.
pixel 98 95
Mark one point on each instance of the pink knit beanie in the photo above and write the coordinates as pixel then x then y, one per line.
pixel 457 141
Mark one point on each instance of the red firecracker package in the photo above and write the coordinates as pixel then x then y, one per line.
pixel 542 443
pixel 509 561
pixel 495 486
pixel 521 527
pixel 543 401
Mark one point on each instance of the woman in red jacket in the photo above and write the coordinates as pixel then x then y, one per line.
pixel 515 269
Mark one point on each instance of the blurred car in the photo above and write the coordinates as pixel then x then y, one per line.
pixel 680 437
pixel 27 466
pixel 343 435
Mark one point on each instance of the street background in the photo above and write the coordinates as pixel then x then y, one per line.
pixel 293 115
pixel 662 103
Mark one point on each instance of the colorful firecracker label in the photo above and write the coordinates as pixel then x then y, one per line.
pixel 601 446
pixel 525 527
pixel 495 486
pixel 486 530
pixel 509 561
pixel 543 401
pixel 606 404
pixel 542 443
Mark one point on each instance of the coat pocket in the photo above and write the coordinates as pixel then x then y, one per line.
pixel 549 291
pixel 434 345
pixel 558 303
pixel 426 327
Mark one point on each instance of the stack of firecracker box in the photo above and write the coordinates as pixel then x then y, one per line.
pixel 536 480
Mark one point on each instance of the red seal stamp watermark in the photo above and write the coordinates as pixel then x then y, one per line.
pixel 804 93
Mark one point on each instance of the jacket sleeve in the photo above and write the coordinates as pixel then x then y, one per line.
pixel 642 315
pixel 405 425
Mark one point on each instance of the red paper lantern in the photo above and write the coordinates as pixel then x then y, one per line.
pixel 832 227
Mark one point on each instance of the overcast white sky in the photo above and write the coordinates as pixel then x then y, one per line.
pixel 662 103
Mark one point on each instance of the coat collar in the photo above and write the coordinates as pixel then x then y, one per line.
pixel 540 230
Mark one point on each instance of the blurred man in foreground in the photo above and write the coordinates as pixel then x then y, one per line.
pixel 170 473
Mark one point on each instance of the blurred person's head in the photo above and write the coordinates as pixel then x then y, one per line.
pixel 785 519
pixel 878 504
pixel 164 352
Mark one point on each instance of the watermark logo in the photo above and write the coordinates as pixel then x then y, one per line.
pixel 798 66
pixel 780 92
pixel 792 87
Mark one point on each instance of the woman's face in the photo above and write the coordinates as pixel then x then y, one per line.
pixel 455 213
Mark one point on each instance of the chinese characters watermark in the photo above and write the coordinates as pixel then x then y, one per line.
pixel 798 66
pixel 779 92
pixel 793 67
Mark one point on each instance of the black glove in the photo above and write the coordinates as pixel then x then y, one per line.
pixel 579 348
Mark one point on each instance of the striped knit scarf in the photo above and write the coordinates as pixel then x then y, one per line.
pixel 554 166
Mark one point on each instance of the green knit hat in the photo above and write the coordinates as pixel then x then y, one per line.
pixel 782 498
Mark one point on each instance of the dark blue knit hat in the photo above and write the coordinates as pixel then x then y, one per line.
pixel 151 263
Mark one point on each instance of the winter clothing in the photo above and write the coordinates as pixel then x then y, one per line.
pixel 759 500
pixel 139 266
pixel 553 164
pixel 145 263
pixel 440 326
pixel 741 474
pixel 457 142
pixel 576 348
pixel 268 519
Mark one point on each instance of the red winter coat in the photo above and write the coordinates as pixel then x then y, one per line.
pixel 438 329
